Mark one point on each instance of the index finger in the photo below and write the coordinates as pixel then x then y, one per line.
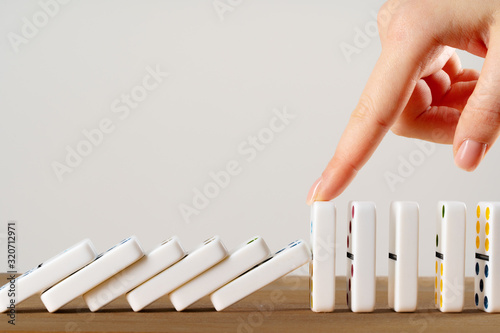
pixel 387 92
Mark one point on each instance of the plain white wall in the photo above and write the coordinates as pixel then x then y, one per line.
pixel 227 78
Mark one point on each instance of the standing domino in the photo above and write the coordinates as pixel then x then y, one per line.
pixel 450 257
pixel 246 256
pixel 486 287
pixel 48 273
pixel 281 263
pixel 403 256
pixel 207 255
pixel 322 265
pixel 103 267
pixel 361 256
pixel 163 256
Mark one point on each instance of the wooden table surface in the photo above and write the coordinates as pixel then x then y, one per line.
pixel 280 307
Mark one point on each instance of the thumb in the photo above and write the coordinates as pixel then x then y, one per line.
pixel 479 123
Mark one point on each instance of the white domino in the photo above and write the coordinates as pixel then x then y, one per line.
pixel 103 267
pixel 246 256
pixel 403 256
pixel 48 273
pixel 450 256
pixel 487 237
pixel 361 227
pixel 281 263
pixel 322 265
pixel 160 258
pixel 207 255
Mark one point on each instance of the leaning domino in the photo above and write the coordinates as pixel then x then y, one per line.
pixel 48 273
pixel 160 258
pixel 361 226
pixel 403 256
pixel 322 265
pixel 246 256
pixel 486 287
pixel 281 263
pixel 103 267
pixel 207 255
pixel 450 257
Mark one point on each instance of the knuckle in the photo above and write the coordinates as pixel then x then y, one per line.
pixel 366 111
pixel 397 130
pixel 404 18
pixel 400 128
pixel 488 112
pixel 383 16
pixel 385 13
pixel 406 124
pixel 397 29
pixel 485 102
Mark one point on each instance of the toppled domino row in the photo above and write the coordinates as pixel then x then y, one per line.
pixel 168 269
pixel 403 256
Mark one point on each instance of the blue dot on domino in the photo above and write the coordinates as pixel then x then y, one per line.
pixel 486 271
pixel 481 285
pixel 476 299
pixel 486 302
pixel 477 268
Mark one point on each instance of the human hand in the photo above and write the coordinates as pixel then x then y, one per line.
pixel 418 88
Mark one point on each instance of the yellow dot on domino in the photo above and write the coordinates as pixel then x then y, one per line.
pixel 441 269
pixel 477 242
pixel 441 300
pixel 435 297
pixel 436 282
pixel 487 213
pixel 487 228
pixel 487 244
pixel 478 211
pixel 478 226
pixel 441 285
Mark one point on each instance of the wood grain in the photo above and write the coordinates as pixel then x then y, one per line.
pixel 280 307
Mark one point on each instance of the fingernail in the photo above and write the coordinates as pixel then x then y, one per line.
pixel 470 154
pixel 313 191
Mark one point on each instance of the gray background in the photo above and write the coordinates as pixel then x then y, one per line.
pixel 225 78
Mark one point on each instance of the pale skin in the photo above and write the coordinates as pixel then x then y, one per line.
pixel 418 88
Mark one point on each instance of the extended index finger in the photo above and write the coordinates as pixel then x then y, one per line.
pixel 387 92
